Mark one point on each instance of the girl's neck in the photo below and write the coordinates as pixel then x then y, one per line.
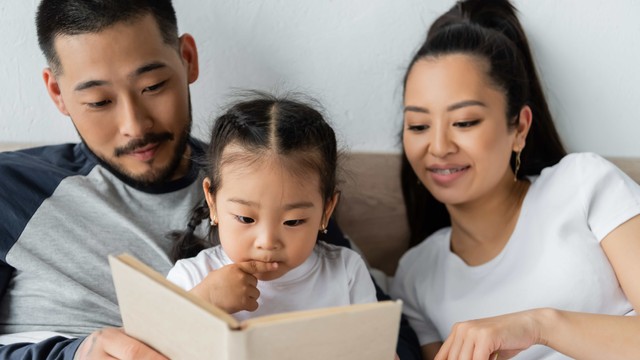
pixel 480 229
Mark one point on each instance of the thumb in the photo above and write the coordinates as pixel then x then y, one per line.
pixel 256 267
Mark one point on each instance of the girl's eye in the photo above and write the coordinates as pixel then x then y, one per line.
pixel 99 104
pixel 293 223
pixel 245 219
pixel 154 87
pixel 466 124
pixel 417 128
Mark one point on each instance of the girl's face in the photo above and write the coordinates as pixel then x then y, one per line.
pixel 455 131
pixel 266 213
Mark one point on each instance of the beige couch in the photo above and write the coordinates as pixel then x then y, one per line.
pixel 371 210
pixel 372 213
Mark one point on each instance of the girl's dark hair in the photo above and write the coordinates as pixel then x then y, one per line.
pixel 264 125
pixel 74 17
pixel 491 31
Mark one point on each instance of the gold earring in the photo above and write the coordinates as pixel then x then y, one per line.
pixel 324 230
pixel 214 221
pixel 515 174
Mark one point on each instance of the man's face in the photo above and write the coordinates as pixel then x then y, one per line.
pixel 127 93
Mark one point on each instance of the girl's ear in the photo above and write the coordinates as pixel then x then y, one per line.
pixel 328 209
pixel 206 188
pixel 524 125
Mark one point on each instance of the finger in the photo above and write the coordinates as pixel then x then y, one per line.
pixel 250 304
pixel 121 346
pixel 257 267
pixel 252 293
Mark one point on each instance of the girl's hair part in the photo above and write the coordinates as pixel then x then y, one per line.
pixel 490 31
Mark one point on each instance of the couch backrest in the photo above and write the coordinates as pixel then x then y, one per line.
pixel 371 208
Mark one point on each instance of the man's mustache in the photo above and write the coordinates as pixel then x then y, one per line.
pixel 150 138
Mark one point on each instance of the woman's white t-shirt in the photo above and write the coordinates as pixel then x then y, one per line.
pixel 553 258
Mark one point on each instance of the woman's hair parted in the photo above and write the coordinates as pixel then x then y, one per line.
pixel 264 125
pixel 489 30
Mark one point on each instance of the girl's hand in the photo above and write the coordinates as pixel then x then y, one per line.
pixel 233 287
pixel 485 339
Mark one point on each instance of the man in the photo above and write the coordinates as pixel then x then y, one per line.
pixel 120 71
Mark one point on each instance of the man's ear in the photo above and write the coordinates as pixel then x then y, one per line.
pixel 329 207
pixel 189 55
pixel 53 88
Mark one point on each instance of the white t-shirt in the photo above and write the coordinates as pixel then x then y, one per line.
pixel 553 258
pixel 331 276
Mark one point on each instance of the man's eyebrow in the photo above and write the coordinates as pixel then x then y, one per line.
pixel 137 72
pixel 89 84
pixel 146 68
pixel 452 107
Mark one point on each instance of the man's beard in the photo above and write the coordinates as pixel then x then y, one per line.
pixel 153 176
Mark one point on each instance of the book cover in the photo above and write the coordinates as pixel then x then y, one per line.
pixel 182 326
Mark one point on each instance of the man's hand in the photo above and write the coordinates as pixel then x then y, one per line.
pixel 233 287
pixel 113 343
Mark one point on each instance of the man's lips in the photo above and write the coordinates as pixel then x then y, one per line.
pixel 145 153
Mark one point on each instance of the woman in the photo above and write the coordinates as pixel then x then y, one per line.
pixel 530 252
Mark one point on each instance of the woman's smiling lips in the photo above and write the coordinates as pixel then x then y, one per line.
pixel 445 175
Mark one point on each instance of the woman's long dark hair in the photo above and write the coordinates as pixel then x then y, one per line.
pixel 263 125
pixel 489 30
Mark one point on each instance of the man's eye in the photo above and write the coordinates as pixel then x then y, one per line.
pixel 293 223
pixel 466 124
pixel 154 87
pixel 99 104
pixel 245 219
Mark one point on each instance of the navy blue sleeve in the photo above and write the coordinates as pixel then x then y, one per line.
pixel 408 347
pixel 55 348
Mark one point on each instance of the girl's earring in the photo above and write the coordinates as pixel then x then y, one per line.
pixel 515 174
pixel 324 230
pixel 214 221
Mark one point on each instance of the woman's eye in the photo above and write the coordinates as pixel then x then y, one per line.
pixel 417 128
pixel 245 219
pixel 466 124
pixel 293 223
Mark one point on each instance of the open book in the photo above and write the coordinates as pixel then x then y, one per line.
pixel 182 326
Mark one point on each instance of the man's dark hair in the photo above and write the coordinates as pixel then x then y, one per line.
pixel 74 17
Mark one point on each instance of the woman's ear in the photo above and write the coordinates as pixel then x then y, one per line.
pixel 208 195
pixel 522 129
pixel 329 206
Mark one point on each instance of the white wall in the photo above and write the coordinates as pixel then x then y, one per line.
pixel 351 55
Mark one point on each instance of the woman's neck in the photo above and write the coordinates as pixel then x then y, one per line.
pixel 481 228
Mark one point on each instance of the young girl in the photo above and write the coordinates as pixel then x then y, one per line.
pixel 526 246
pixel 270 190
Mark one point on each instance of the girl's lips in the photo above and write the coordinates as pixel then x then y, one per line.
pixel 445 176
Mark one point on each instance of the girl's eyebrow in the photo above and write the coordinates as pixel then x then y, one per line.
pixel 451 107
pixel 292 206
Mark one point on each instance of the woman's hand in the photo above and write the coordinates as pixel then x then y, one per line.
pixel 485 339
pixel 233 287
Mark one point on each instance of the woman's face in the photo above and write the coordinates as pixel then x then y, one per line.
pixel 455 132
